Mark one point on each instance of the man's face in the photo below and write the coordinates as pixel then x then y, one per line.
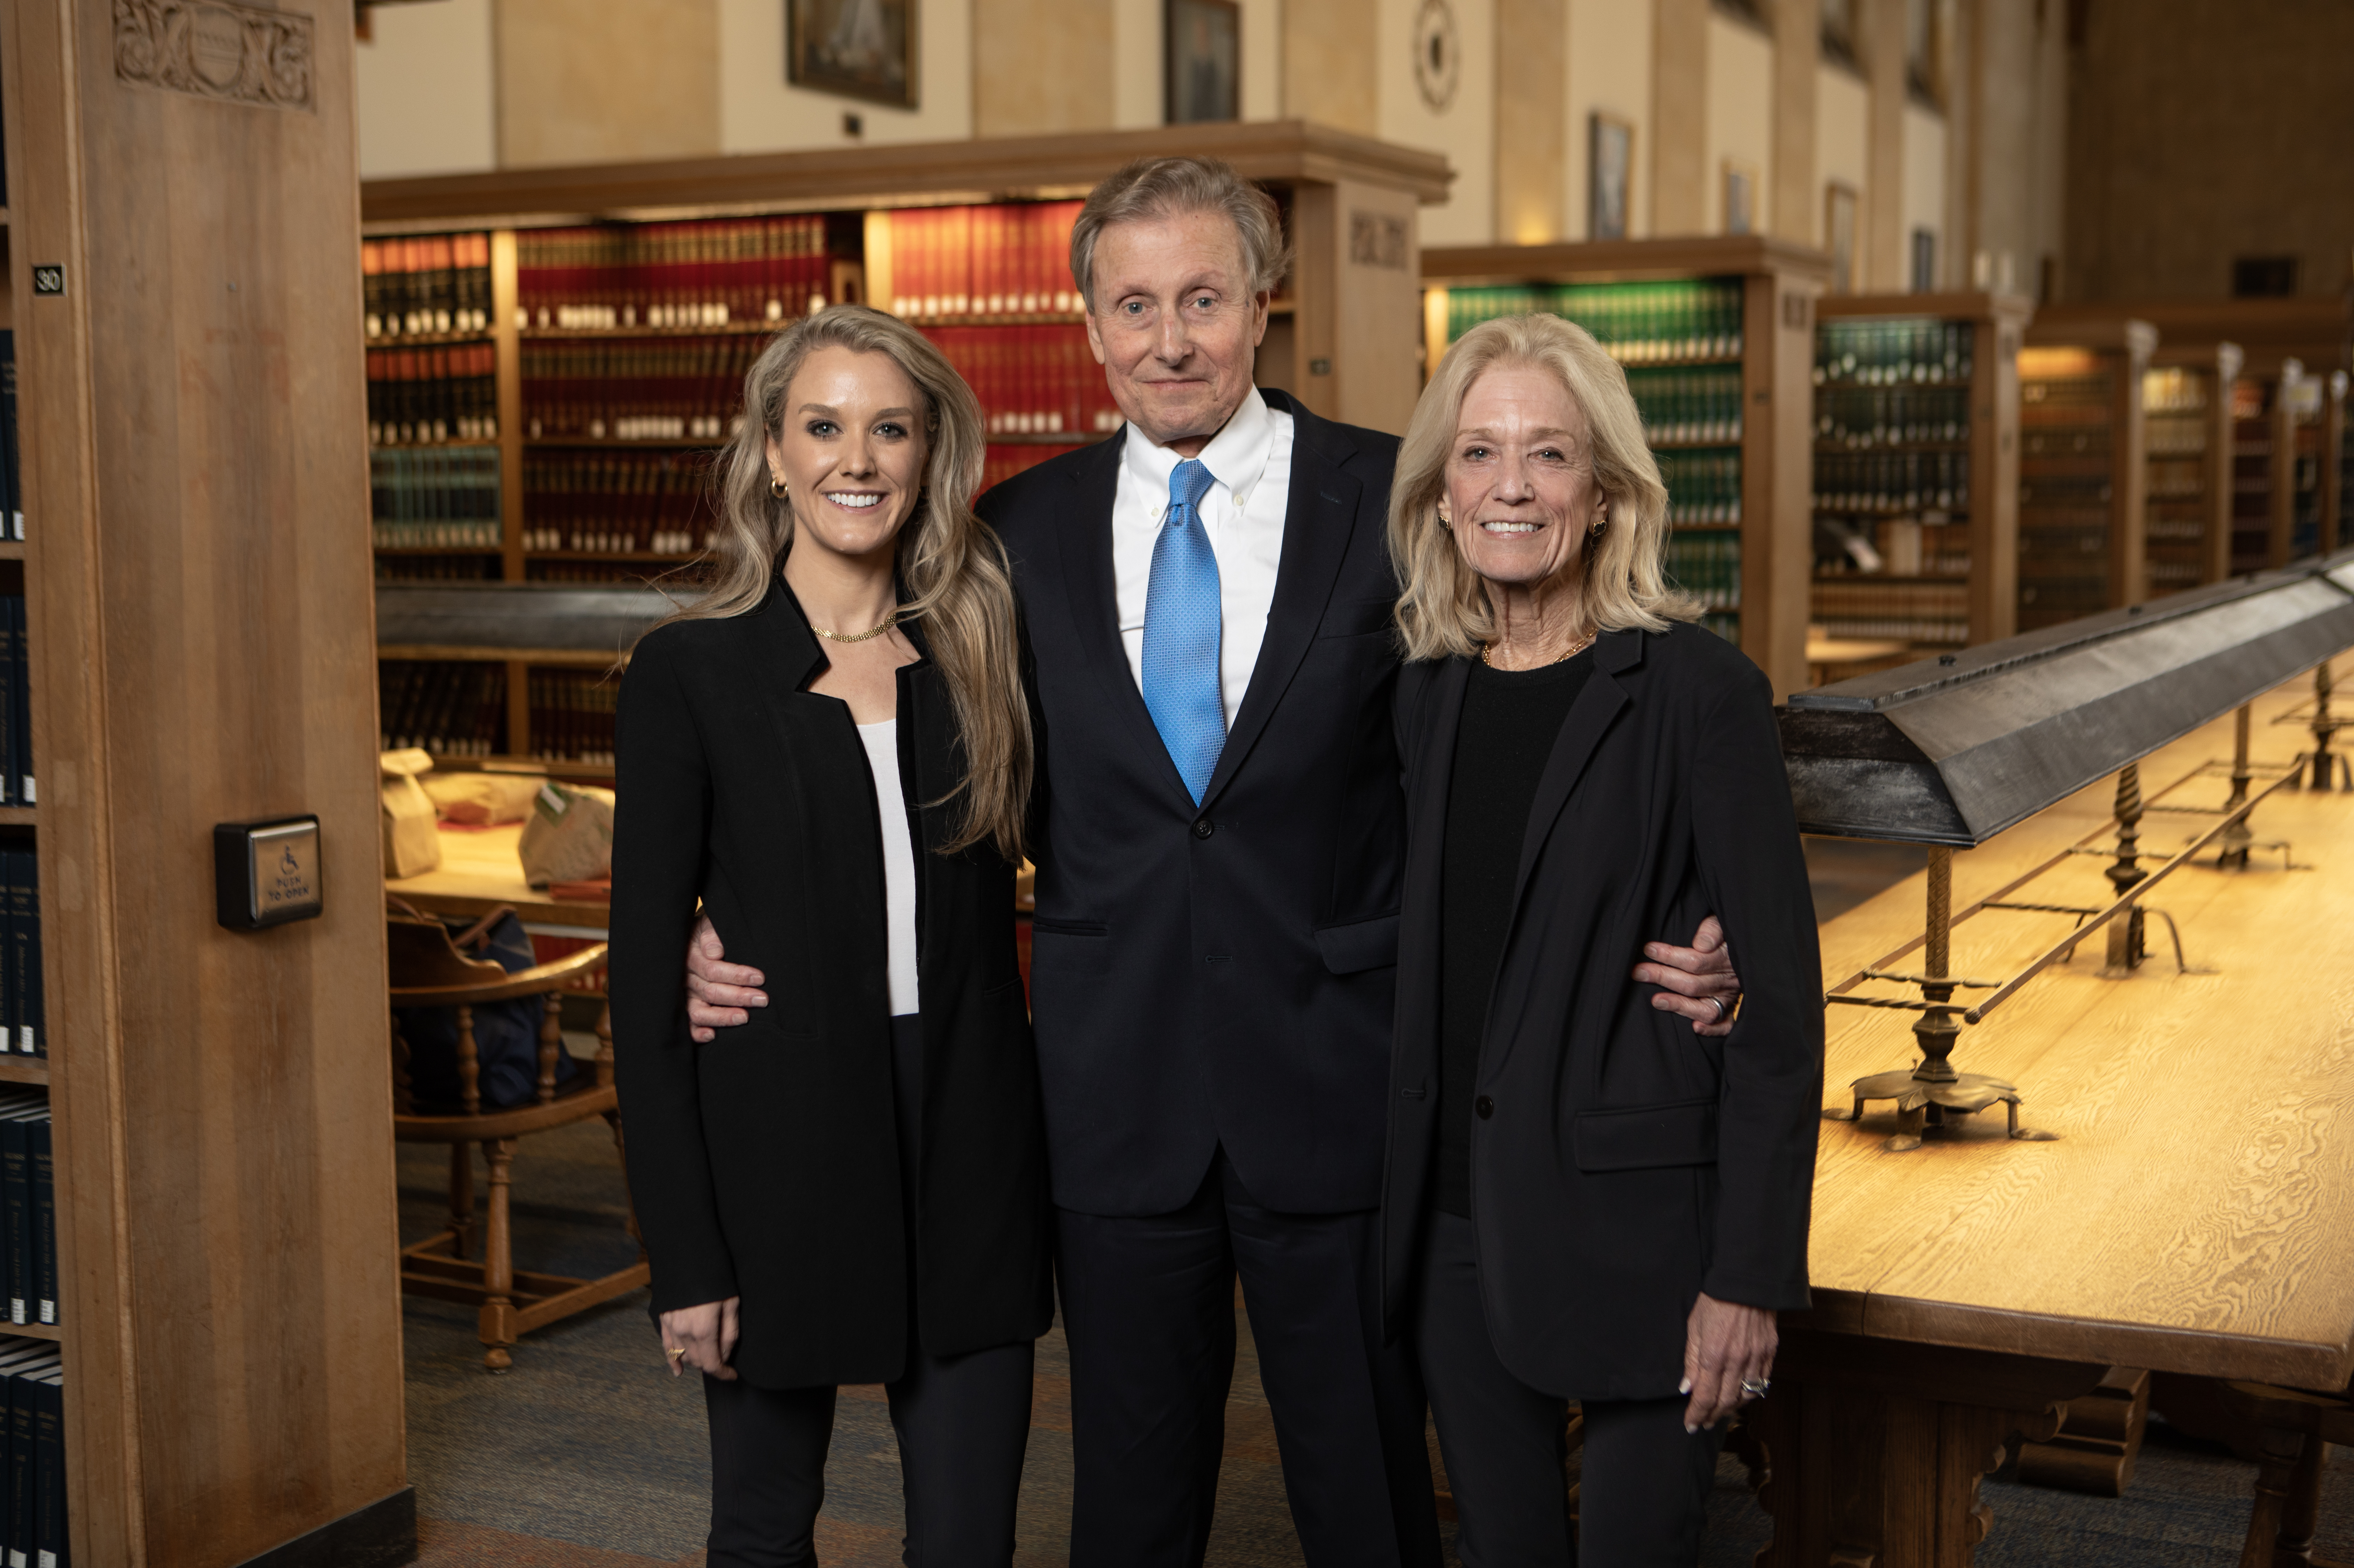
pixel 1175 324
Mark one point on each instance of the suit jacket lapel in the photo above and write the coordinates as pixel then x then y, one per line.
pixel 1581 732
pixel 1319 518
pixel 1091 587
pixel 1432 765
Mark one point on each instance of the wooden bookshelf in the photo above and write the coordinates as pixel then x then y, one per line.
pixel 1764 558
pixel 2083 468
pixel 2187 412
pixel 2338 468
pixel 200 654
pixel 1916 452
pixel 1325 341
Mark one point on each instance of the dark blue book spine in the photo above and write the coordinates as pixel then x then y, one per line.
pixel 50 1470
pixel 39 1146
pixel 20 706
pixel 21 1507
pixel 32 1028
pixel 11 609
pixel 11 989
pixel 16 1216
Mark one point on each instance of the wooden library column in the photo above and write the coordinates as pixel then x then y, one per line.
pixel 197 566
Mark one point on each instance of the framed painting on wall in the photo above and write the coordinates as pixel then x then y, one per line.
pixel 1838 235
pixel 1609 168
pixel 1740 196
pixel 857 48
pixel 1203 56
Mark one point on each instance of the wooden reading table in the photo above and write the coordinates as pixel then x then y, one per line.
pixel 2192 1216
pixel 480 870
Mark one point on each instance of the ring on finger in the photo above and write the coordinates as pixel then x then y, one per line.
pixel 678 1352
pixel 1755 1387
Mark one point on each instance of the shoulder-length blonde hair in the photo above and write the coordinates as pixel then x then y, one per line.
pixel 949 562
pixel 1442 608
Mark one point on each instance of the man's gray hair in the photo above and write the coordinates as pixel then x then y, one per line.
pixel 1152 188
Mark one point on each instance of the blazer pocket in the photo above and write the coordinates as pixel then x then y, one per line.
pixel 1645 1138
pixel 1366 945
pixel 1070 947
pixel 1357 617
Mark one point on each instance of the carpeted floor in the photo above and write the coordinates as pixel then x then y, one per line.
pixel 589 1455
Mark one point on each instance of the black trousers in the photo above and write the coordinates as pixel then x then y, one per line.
pixel 1643 1498
pixel 1149 1310
pixel 962 1422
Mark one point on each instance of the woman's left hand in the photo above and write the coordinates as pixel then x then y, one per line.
pixel 1724 1346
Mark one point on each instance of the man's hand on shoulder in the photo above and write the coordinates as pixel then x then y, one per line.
pixel 717 993
pixel 1697 981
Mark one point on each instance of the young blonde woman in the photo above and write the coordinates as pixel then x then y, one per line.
pixel 831 754
pixel 1585 1198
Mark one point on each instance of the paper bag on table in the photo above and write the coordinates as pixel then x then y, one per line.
pixel 412 838
pixel 569 837
pixel 482 800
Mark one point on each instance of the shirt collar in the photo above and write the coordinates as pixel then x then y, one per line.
pixel 1235 457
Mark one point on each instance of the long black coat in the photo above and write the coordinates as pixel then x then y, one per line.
pixel 765 1164
pixel 1626 1164
pixel 1217 975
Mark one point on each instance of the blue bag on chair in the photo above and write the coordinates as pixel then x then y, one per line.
pixel 506 1033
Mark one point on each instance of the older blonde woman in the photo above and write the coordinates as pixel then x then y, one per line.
pixel 1585 1198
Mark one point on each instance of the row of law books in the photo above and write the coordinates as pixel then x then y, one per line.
pixel 683 388
pixel 1872 483
pixel 1032 379
pixel 1922 611
pixel 32 1454
pixel 1003 462
pixel 28 1205
pixel 449 707
pixel 604 500
pixel 572 715
pixel 449 392
pixel 674 276
pixel 2172 389
pixel 1707 566
pixel 1008 261
pixel 1893 351
pixel 15 705
pixel 473 567
pixel 1687 407
pixel 12 487
pixel 1703 488
pixel 1861 417
pixel 434 497
pixel 1638 324
pixel 415 284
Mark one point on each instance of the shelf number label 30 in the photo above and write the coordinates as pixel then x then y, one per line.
pixel 49 279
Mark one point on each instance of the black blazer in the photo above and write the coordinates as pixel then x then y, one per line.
pixel 765 1164
pixel 1220 974
pixel 1627 1162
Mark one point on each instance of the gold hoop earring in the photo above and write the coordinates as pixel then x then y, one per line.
pixel 777 488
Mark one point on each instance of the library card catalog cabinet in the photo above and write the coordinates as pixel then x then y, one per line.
pixel 551 376
pixel 1716 335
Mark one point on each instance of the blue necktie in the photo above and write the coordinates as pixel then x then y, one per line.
pixel 1181 634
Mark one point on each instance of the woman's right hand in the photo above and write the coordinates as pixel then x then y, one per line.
pixel 716 993
pixel 703 1338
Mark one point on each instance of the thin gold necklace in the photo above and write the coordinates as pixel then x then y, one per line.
pixel 1574 648
pixel 889 621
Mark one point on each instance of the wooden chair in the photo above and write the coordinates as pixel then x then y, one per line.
pixel 428 969
pixel 2285 1432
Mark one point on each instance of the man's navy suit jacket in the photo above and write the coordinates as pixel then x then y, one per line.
pixel 1219 974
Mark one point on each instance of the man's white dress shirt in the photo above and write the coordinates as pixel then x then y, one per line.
pixel 1242 515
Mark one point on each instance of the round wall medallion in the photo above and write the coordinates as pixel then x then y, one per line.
pixel 1437 57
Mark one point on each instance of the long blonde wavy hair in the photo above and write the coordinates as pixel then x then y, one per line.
pixel 949 562
pixel 1443 608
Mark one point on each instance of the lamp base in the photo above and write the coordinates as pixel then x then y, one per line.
pixel 1925 1103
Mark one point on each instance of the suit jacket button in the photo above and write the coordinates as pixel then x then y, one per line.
pixel 1485 1107
pixel 1203 829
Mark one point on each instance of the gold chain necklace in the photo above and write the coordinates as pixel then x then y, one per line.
pixel 1574 648
pixel 889 621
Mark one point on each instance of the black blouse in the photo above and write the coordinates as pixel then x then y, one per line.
pixel 1510 720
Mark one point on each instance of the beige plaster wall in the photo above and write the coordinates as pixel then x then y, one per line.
pixel 589 81
pixel 1533 134
pixel 1843 120
pixel 427 91
pixel 1042 67
pixel 1609 71
pixel 1924 188
pixel 1740 118
pixel 1331 64
pixel 1464 129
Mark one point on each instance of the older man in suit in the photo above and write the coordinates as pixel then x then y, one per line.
pixel 1208 597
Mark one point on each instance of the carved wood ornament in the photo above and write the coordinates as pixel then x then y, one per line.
pixel 238 53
